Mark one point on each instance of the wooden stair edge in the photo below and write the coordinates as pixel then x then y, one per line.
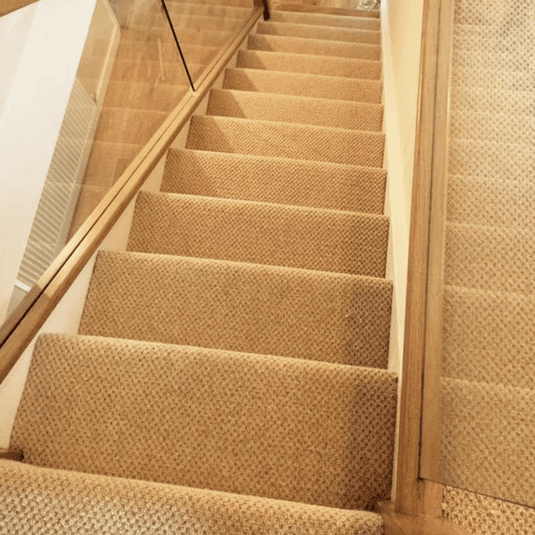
pixel 401 524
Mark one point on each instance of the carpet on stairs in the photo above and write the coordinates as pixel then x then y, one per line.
pixel 230 374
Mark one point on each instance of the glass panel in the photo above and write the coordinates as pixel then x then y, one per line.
pixel 129 78
pixel 488 368
pixel 205 29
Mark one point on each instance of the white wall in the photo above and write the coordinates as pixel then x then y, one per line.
pixel 50 37
pixel 14 30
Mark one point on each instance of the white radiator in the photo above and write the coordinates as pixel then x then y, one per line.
pixel 60 192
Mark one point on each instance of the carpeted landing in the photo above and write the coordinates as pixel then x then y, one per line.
pixel 230 371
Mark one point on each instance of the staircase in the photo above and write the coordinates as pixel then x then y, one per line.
pixel 230 372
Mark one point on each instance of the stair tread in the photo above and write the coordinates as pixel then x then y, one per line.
pixel 240 307
pixel 224 417
pixel 326 19
pixel 319 32
pixel 275 180
pixel 302 45
pixel 296 109
pixel 125 506
pixel 302 84
pixel 309 64
pixel 260 233
pixel 287 140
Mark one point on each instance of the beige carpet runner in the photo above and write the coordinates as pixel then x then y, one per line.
pixel 230 371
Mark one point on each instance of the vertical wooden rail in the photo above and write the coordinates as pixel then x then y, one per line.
pixel 416 496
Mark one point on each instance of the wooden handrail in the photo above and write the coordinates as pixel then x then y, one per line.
pixel 266 6
pixel 8 6
pixel 414 495
pixel 20 328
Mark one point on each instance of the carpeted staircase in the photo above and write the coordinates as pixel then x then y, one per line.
pixel 230 372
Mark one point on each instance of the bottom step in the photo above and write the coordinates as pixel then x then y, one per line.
pixel 41 500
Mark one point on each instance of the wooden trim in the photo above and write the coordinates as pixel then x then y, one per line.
pixel 399 524
pixel 433 352
pixel 8 6
pixel 415 496
pixel 20 328
pixel 11 454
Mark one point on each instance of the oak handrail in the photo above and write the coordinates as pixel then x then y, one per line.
pixel 24 323
pixel 8 6
pixel 414 495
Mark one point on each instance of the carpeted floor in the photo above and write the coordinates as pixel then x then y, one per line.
pixel 230 371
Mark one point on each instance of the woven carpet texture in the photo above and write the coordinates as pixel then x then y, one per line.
pixel 230 371
pixel 489 295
